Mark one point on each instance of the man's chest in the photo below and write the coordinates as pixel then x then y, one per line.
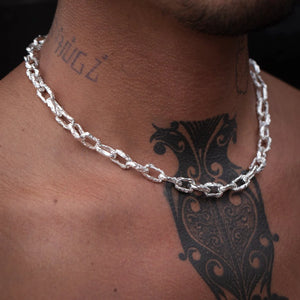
pixel 91 246
pixel 142 244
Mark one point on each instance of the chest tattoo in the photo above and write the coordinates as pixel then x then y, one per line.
pixel 228 240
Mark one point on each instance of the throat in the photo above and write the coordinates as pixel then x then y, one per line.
pixel 118 81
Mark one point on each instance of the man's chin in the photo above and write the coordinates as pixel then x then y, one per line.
pixel 234 19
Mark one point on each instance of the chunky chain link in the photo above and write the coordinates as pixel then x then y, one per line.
pixel 150 171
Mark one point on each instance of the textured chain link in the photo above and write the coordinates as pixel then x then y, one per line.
pixel 151 172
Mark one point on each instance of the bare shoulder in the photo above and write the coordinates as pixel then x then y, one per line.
pixel 6 122
pixel 13 90
pixel 280 86
pixel 284 98
pixel 15 115
pixel 284 103
pixel 10 96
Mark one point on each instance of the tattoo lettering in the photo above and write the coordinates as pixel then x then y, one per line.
pixel 75 58
pixel 74 64
pixel 90 75
pixel 68 56
pixel 242 67
pixel 227 240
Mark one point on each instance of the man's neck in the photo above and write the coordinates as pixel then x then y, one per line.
pixel 119 66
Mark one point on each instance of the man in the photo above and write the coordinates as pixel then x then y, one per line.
pixel 168 83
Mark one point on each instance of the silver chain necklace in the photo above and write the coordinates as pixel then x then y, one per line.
pixel 150 171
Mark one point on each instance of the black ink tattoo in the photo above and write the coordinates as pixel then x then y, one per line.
pixel 68 56
pixel 228 241
pixel 89 74
pixel 77 59
pixel 78 67
pixel 242 67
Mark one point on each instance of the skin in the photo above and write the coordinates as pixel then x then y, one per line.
pixel 73 226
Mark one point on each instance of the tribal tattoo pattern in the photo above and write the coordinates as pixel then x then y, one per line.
pixel 227 240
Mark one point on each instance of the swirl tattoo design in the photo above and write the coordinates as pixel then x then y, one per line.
pixel 227 241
